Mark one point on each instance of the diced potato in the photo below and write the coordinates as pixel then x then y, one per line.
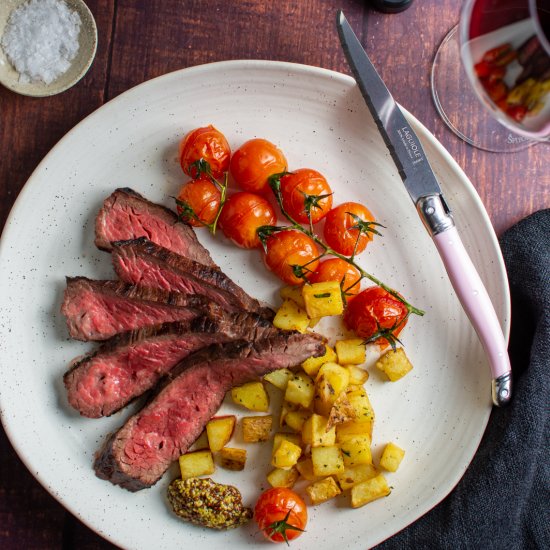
pixel 279 437
pixel 219 431
pixel 313 364
pixel 300 390
pixel 201 442
pixel 283 478
pixel 341 411
pixel 356 450
pixel 305 467
pixel 295 419
pixel 279 378
pixel 360 402
pixel 286 455
pixel 369 490
pixel 351 351
pixel 232 459
pixel 327 461
pixel 293 293
pixel 322 490
pixel 257 428
pixel 395 364
pixel 357 375
pixel 291 317
pixel 198 463
pixel 331 381
pixel 251 396
pixel 313 322
pixel 356 474
pixel 392 455
pixel 349 429
pixel 315 433
pixel 323 299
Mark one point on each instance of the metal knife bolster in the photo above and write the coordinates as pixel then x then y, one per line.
pixel 435 213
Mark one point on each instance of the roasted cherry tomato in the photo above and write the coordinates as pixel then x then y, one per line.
pixel 254 162
pixel 340 230
pixel 303 188
pixel 205 143
pixel 335 269
pixel 373 310
pixel 289 248
pixel 201 197
pixel 242 214
pixel 281 514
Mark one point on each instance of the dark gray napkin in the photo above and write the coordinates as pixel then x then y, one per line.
pixel 503 500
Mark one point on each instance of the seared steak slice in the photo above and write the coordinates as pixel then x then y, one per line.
pixel 127 215
pixel 143 263
pixel 102 382
pixel 138 454
pixel 97 310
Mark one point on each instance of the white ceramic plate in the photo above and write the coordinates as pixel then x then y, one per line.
pixel 437 413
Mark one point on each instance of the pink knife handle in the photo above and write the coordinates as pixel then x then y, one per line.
pixel 476 303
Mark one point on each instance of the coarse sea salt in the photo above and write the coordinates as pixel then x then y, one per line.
pixel 41 39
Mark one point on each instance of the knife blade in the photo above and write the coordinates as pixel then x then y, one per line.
pixel 424 189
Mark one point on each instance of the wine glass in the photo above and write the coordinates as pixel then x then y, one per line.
pixel 491 74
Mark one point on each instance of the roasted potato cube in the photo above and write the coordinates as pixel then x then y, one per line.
pixel 331 381
pixel 219 431
pixel 286 455
pixel 356 474
pixel 360 402
pixel 279 378
pixel 357 375
pixel 257 428
pixel 305 467
pixel 323 299
pixel 392 455
pixel 283 478
pixel 279 437
pixel 232 459
pixel 349 429
pixel 293 293
pixel 295 419
pixel 291 317
pixel 369 490
pixel 351 351
pixel 327 461
pixel 300 390
pixel 313 322
pixel 322 490
pixel 315 433
pixel 252 396
pixel 313 364
pixel 341 411
pixel 395 364
pixel 201 442
pixel 197 463
pixel 356 450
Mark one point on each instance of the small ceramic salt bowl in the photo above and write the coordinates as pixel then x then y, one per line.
pixel 9 77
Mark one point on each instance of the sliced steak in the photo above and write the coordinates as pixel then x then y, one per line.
pixel 97 310
pixel 138 454
pixel 127 215
pixel 143 263
pixel 128 365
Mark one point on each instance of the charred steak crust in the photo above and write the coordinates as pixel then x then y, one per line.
pixel 97 310
pixel 138 454
pixel 141 262
pixel 125 215
pixel 128 365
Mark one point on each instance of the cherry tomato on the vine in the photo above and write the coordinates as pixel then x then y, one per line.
pixel 336 269
pixel 289 248
pixel 341 232
pixel 281 514
pixel 253 162
pixel 242 214
pixel 209 144
pixel 302 188
pixel 202 197
pixel 375 309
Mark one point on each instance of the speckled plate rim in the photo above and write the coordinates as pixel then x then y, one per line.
pixel 497 287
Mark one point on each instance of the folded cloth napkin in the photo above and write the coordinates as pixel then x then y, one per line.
pixel 503 500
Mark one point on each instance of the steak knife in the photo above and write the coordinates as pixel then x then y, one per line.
pixel 425 192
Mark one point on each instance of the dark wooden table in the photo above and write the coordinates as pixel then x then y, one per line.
pixel 141 39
